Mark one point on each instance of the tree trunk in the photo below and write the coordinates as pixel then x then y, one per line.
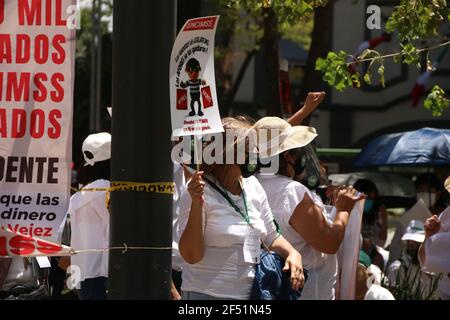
pixel 270 45
pixel 320 45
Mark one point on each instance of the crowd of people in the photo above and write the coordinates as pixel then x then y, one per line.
pixel 226 214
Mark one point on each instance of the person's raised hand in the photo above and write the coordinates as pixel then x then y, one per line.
pixel 432 226
pixel 313 100
pixel 196 187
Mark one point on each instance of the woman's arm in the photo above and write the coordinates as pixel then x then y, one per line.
pixel 293 261
pixel 308 220
pixel 432 226
pixel 313 100
pixel 191 244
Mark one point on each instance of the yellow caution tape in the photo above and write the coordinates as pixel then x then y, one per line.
pixel 152 187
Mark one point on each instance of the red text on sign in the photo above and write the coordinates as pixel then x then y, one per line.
pixel 40 12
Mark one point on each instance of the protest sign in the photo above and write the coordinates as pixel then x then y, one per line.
pixel 348 254
pixel 17 244
pixel 37 46
pixel 193 98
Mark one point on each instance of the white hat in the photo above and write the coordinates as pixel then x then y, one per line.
pixel 96 147
pixel 415 231
pixel 281 136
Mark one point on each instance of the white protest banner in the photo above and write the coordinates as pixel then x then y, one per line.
pixel 193 98
pixel 348 254
pixel 37 48
pixel 16 244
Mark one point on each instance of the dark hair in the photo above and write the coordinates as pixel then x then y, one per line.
pixel 100 170
pixel 193 64
pixel 366 186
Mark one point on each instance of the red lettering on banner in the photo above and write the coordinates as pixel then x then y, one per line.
pixel 21 245
pixel 5 48
pixel 41 45
pixel 19 88
pixel 3 128
pixel 40 94
pixel 60 55
pixel 59 20
pixel 32 12
pixel 23 48
pixel 47 247
pixel 58 95
pixel 2 10
pixel 48 12
pixel 19 123
pixel 55 132
pixel 37 123
pixel 41 49
pixel 200 24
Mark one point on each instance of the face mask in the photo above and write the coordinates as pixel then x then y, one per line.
pixel 248 169
pixel 299 165
pixel 428 198
pixel 368 205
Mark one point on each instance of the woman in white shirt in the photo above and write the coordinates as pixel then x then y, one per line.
pixel 434 253
pixel 221 236
pixel 89 217
pixel 301 216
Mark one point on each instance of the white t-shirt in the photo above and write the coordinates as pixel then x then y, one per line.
pixel 437 254
pixel 284 195
pixel 377 292
pixel 223 271
pixel 180 187
pixel 89 221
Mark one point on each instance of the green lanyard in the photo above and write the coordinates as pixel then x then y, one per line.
pixel 245 215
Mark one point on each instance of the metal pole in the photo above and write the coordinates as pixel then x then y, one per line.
pixel 92 109
pixel 98 83
pixel 141 143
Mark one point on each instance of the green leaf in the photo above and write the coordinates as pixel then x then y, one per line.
pixel 381 73
pixel 367 78
pixel 436 101
pixel 356 81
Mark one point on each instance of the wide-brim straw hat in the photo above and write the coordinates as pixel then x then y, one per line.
pixel 276 135
pixel 447 184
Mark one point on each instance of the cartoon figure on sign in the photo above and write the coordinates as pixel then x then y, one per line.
pixel 193 69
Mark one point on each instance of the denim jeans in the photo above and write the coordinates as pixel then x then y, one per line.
pixel 93 289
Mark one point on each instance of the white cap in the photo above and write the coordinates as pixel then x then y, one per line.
pixel 96 147
pixel 415 231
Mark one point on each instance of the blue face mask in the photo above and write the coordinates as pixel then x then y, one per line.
pixel 368 205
